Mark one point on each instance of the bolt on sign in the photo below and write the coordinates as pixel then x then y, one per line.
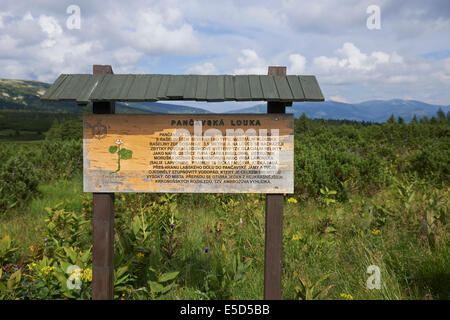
pixel 223 153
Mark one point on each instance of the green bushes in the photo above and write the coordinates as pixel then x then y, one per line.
pixel 23 167
pixel 333 155
pixel 18 181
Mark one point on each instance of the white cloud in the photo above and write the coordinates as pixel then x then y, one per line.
pixel 250 63
pixel 204 68
pixel 339 98
pixel 49 25
pixel 354 65
pixel 331 41
pixel 298 64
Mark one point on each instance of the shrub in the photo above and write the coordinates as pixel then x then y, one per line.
pixel 18 181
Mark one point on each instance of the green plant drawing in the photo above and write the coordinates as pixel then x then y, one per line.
pixel 123 154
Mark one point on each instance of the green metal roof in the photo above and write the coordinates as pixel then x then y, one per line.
pixel 84 88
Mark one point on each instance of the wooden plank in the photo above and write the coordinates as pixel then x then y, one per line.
pixel 274 221
pixel 229 88
pixel 102 223
pixel 273 247
pixel 97 94
pixel 215 88
pixel 164 85
pixel 73 83
pixel 202 87
pixel 311 88
pixel 114 87
pixel 176 87
pixel 242 88
pixel 155 83
pixel 296 88
pixel 255 88
pixel 139 87
pixel 85 93
pixel 190 87
pixel 283 88
pixel 154 164
pixel 103 246
pixel 269 88
pixel 48 95
pixel 128 81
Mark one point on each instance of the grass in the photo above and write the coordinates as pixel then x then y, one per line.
pixel 339 240
pixel 26 225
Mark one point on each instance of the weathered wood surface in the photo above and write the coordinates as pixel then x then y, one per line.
pixel 102 220
pixel 274 222
pixel 174 153
pixel 85 88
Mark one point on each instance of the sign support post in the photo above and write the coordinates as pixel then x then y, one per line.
pixel 274 221
pixel 103 222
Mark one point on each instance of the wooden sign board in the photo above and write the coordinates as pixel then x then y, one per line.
pixel 210 153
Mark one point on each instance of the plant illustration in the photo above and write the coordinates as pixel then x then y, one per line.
pixel 123 154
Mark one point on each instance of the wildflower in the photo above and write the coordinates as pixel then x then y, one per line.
pixel 140 255
pixel 47 269
pixel 31 266
pixel 347 296
pixel 240 220
pixel 172 225
pixel 206 249
pixel 119 141
pixel 375 232
pixel 45 240
pixel 297 236
pixel 86 275
pixel 292 200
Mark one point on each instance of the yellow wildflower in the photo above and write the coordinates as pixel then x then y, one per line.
pixel 375 232
pixel 347 296
pixel 47 269
pixel 292 200
pixel 86 275
pixel 140 255
pixel 31 266
pixel 297 236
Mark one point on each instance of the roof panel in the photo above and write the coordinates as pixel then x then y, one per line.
pixel 242 88
pixel 48 94
pixel 229 88
pixel 176 87
pixel 73 86
pixel 98 92
pixel 128 87
pixel 296 88
pixel 89 87
pixel 283 88
pixel 190 88
pixel 139 87
pixel 152 91
pixel 202 86
pixel 270 91
pixel 255 87
pixel 164 85
pixel 311 88
pixel 215 89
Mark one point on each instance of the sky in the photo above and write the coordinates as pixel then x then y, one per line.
pixel 358 50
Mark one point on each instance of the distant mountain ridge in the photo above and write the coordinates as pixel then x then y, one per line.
pixel 374 110
pixel 25 95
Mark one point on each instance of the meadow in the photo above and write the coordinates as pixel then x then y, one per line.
pixel 365 194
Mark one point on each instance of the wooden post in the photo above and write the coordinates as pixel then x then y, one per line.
pixel 274 221
pixel 103 223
